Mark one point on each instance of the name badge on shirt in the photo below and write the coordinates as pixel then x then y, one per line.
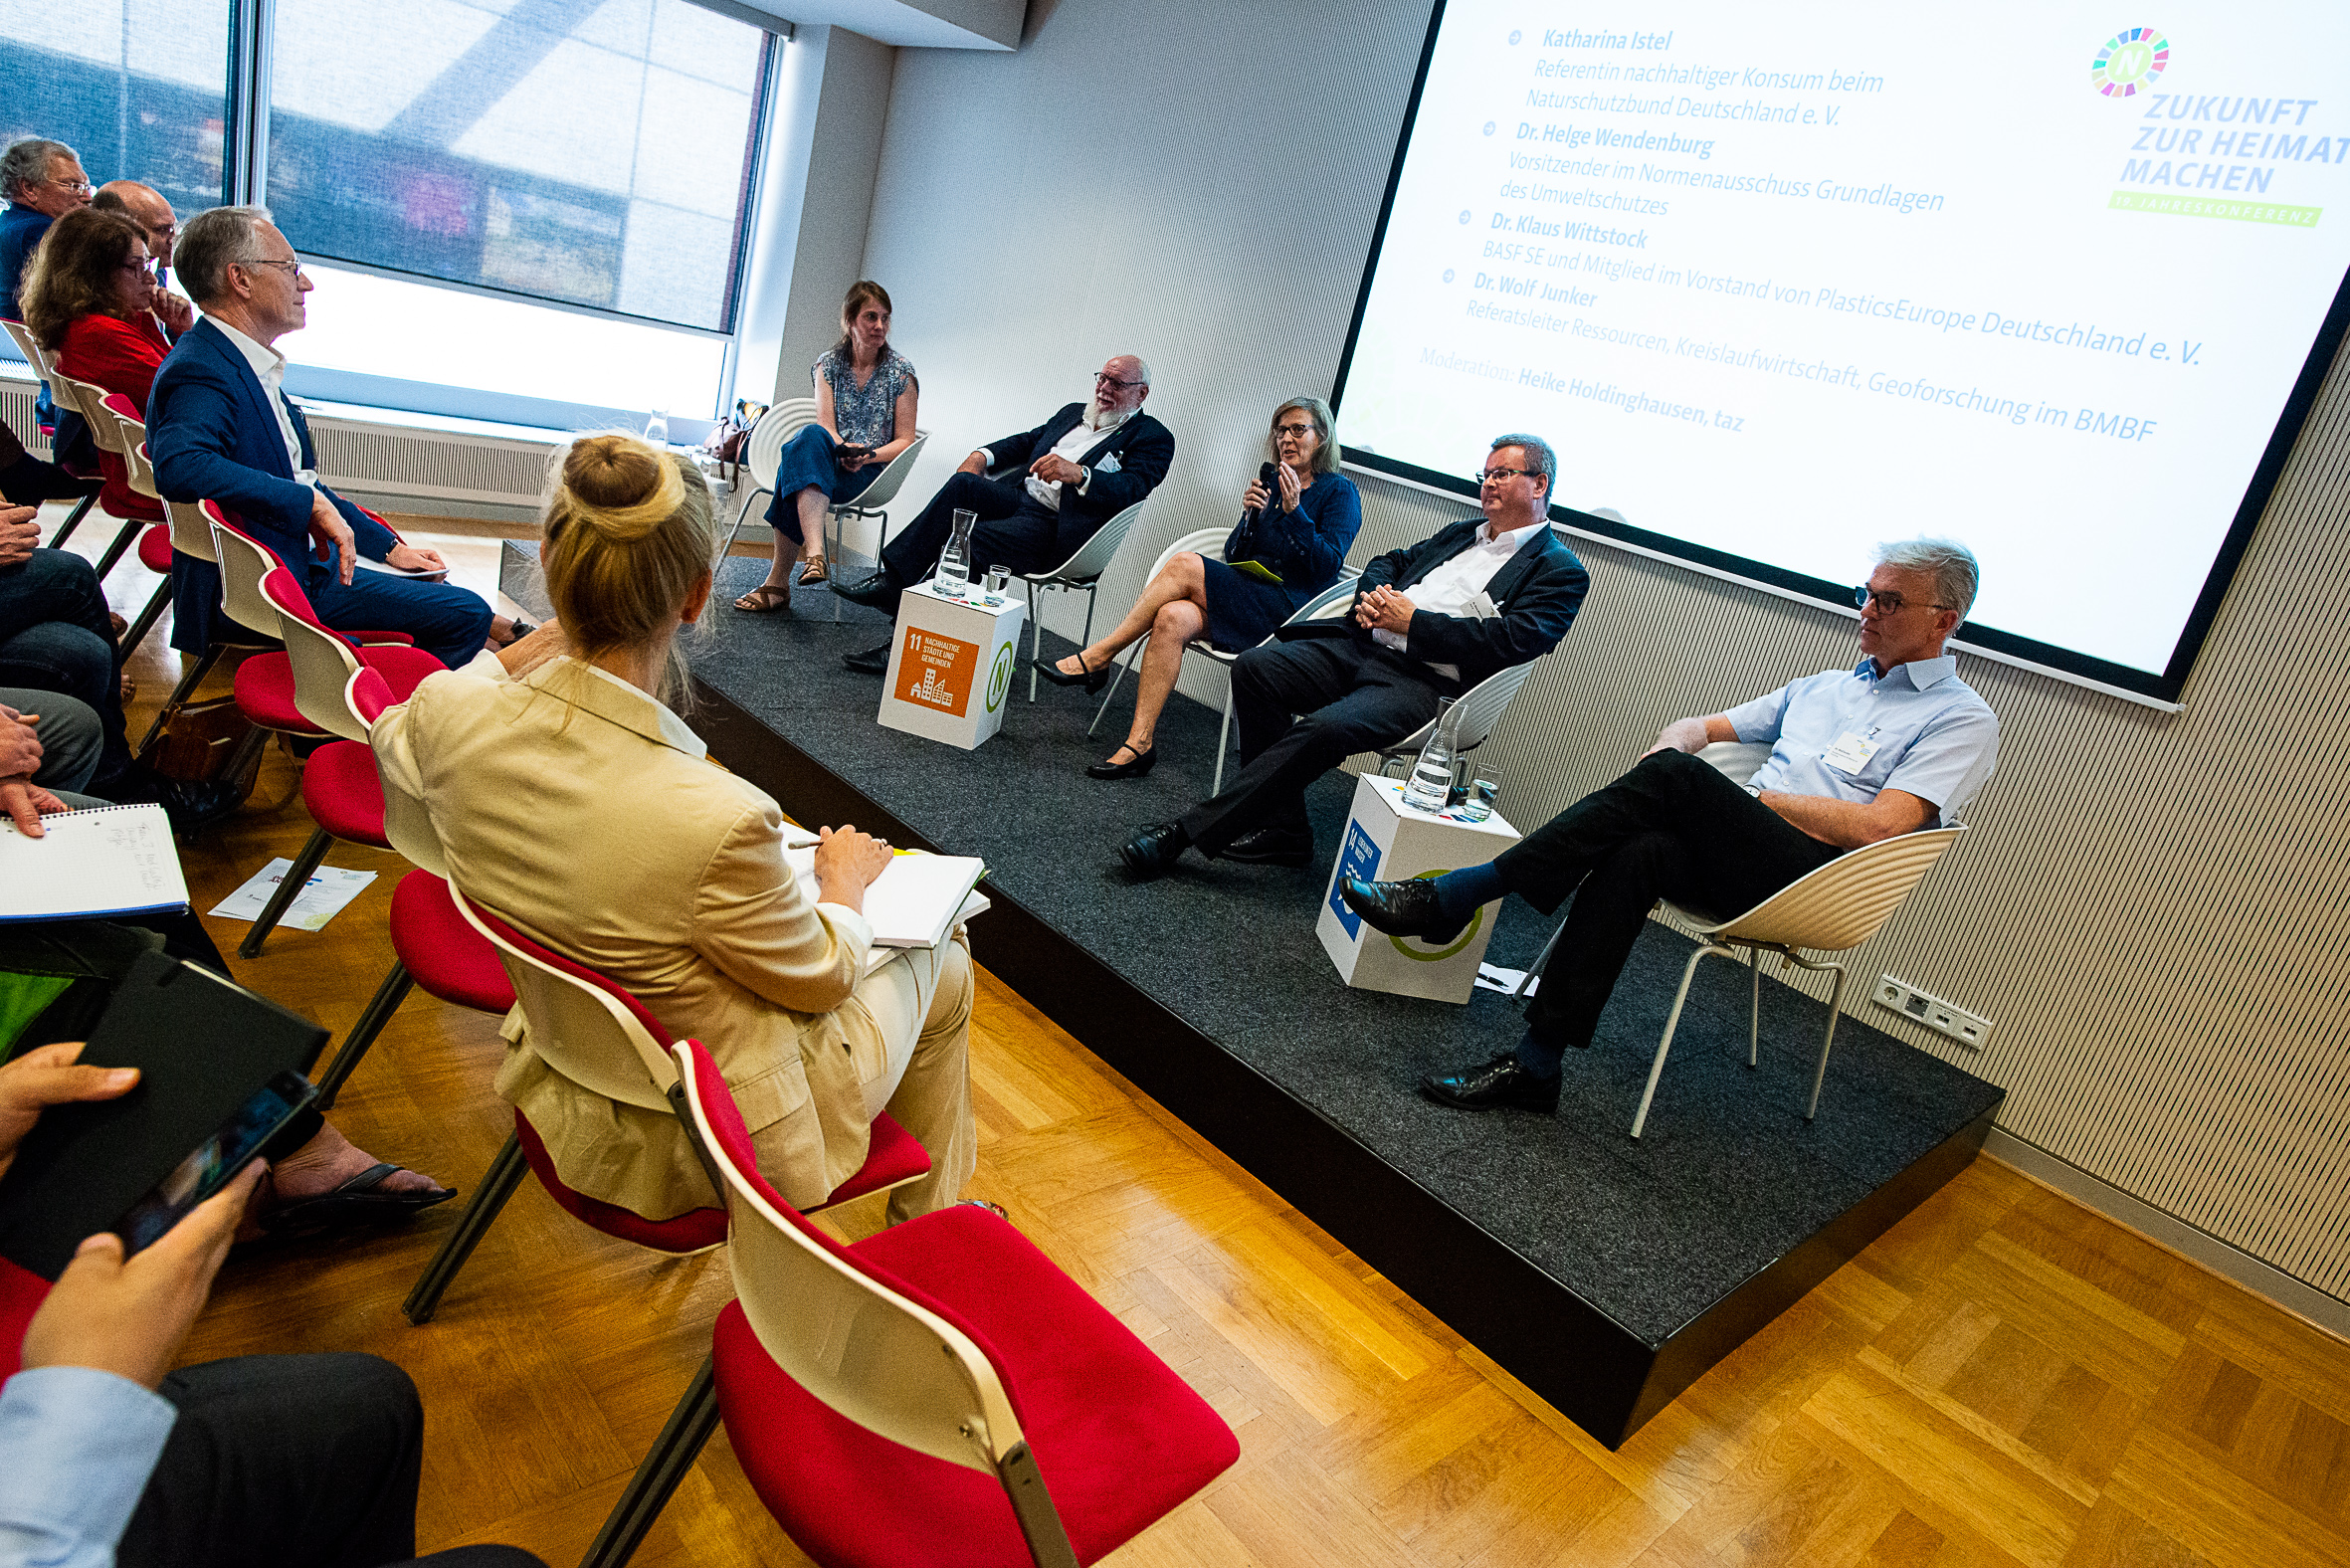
pixel 1850 753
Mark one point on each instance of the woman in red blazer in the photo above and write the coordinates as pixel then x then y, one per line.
pixel 87 301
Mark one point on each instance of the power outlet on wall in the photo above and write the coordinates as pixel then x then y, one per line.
pixel 1945 1018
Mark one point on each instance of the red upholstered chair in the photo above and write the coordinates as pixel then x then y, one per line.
pixel 118 499
pixel 190 524
pixel 936 1393
pixel 436 946
pixel 599 1035
pixel 339 785
pixel 21 1293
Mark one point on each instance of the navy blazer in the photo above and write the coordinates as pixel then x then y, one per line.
pixel 1537 592
pixel 1144 448
pixel 212 436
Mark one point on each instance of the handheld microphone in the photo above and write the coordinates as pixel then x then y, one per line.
pixel 1268 483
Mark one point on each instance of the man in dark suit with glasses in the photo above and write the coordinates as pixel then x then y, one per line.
pixel 1427 622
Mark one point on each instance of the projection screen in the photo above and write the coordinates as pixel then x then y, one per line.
pixel 1781 282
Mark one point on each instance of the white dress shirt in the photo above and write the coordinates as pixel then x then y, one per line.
pixel 76 1447
pixel 270 366
pixel 1082 437
pixel 1459 585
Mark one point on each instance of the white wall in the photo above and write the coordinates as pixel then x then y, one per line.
pixel 2147 906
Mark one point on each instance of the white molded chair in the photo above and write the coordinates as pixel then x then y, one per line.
pixel 1831 909
pixel 191 536
pixel 1209 543
pixel 1470 718
pixel 764 450
pixel 872 502
pixel 1081 573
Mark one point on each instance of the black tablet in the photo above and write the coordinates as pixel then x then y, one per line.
pixel 220 1071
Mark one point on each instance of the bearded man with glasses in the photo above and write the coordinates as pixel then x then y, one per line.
pixel 1427 622
pixel 1895 745
pixel 1086 465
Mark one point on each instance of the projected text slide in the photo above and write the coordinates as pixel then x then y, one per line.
pixel 1783 282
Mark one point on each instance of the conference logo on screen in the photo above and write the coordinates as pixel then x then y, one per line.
pixel 2129 61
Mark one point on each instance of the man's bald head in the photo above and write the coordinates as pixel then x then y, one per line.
pixel 145 206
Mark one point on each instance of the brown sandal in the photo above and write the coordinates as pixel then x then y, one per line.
pixel 765 599
pixel 816 570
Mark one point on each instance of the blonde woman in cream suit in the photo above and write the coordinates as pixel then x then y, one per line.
pixel 564 797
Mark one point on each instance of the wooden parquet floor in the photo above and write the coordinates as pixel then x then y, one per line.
pixel 2004 1379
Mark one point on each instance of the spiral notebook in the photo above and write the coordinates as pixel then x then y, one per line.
pixel 91 865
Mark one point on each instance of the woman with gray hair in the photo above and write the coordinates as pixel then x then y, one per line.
pixel 1300 517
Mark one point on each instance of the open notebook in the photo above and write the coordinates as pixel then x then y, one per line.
pixel 106 861
pixel 915 901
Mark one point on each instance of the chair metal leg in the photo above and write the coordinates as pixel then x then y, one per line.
pixel 1527 980
pixel 380 1009
pixel 1223 738
pixel 1036 642
pixel 64 530
pixel 1836 998
pixel 180 694
pixel 1031 1506
pixel 1754 1010
pixel 138 629
pixel 680 1442
pixel 1133 657
pixel 1672 1022
pixel 741 515
pixel 1092 597
pixel 122 542
pixel 290 887
pixel 497 1185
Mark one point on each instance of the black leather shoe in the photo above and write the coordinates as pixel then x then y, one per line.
pixel 1401 909
pixel 1153 851
pixel 1270 847
pixel 1093 679
pixel 1502 1083
pixel 871 590
pixel 873 661
pixel 1134 768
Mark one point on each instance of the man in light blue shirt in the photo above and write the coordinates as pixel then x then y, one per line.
pixel 108 1456
pixel 1895 745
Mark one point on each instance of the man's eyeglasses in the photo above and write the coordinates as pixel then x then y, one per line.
pixel 1497 476
pixel 1106 379
pixel 1887 603
pixel 76 187
pixel 262 261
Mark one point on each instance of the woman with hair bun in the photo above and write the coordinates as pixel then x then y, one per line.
pixel 565 797
pixel 864 416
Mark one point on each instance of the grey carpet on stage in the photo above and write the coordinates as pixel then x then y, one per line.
pixel 1727 1175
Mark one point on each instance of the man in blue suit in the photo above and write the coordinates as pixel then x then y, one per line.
pixel 220 428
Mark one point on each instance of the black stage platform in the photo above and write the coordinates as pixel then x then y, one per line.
pixel 1605 1274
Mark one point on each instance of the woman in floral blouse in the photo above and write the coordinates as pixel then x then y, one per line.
pixel 864 416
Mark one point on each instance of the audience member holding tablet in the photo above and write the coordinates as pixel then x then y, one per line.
pixel 107 1456
pixel 864 416
pixel 1298 519
pixel 572 803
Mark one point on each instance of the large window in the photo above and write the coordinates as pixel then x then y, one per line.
pixel 593 154
pixel 138 88
pixel 547 156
